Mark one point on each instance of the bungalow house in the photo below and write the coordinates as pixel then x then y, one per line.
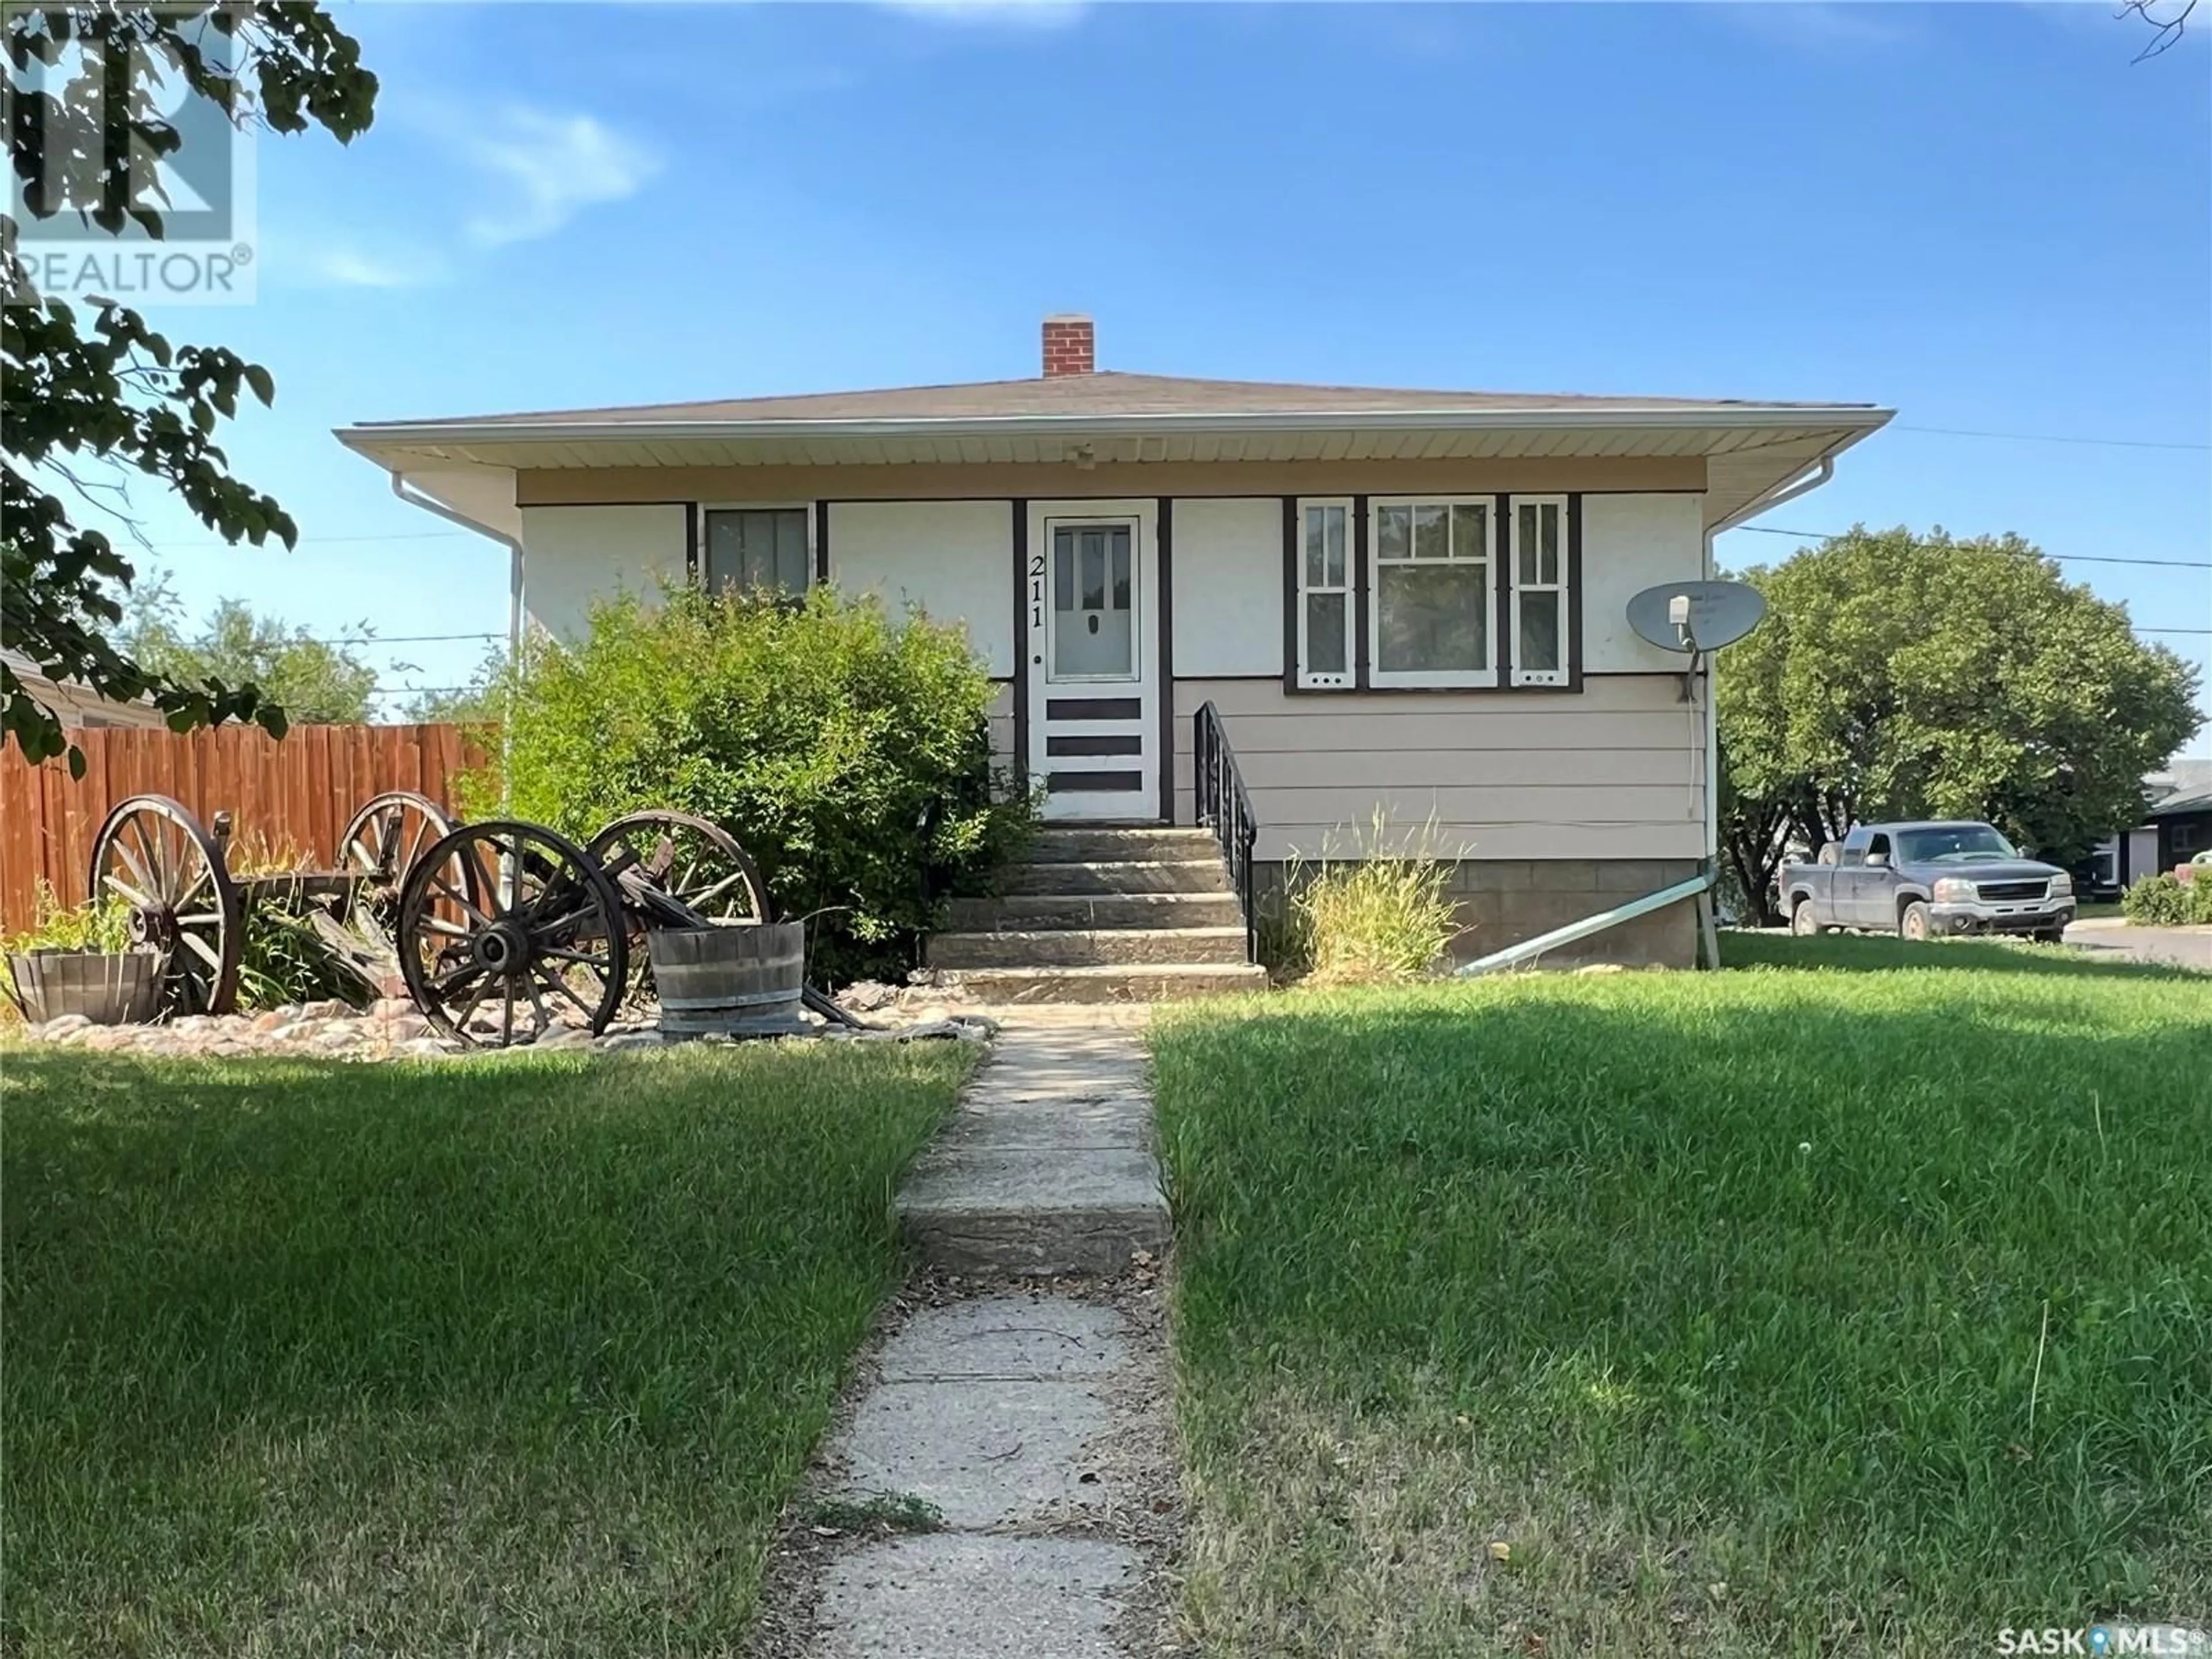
pixel 1404 603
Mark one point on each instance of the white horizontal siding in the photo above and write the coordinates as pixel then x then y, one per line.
pixel 1615 771
pixel 1002 724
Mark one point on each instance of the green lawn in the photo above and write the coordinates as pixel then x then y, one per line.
pixel 515 1356
pixel 1855 1311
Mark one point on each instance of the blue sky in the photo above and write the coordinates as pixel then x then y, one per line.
pixel 1985 215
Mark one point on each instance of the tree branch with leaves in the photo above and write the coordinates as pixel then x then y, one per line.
pixel 92 405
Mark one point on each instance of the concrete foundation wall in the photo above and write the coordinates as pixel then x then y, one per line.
pixel 1502 901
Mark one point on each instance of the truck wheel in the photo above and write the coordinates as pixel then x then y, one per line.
pixel 1913 922
pixel 1803 922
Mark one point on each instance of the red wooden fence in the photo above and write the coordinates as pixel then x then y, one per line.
pixel 300 790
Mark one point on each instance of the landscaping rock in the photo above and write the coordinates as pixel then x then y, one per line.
pixel 392 1029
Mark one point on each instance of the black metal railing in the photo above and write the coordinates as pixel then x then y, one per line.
pixel 1225 809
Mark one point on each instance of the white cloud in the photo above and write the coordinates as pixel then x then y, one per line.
pixel 1818 24
pixel 1040 15
pixel 350 267
pixel 547 168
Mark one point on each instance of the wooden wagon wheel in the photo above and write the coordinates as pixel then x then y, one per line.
pixel 532 939
pixel 154 856
pixel 692 860
pixel 381 843
pixel 384 839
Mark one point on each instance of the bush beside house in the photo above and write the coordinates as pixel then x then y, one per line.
pixel 2166 901
pixel 846 748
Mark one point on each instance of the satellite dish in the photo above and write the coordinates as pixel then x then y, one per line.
pixel 1695 617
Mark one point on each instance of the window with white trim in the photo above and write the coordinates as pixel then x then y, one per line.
pixel 1538 558
pixel 1433 617
pixel 757 548
pixel 1325 600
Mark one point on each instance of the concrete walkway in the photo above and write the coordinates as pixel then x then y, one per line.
pixel 1030 1420
pixel 2115 936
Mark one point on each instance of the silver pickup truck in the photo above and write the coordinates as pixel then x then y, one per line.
pixel 1918 880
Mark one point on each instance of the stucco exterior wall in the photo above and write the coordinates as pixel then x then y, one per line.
pixel 953 560
pixel 571 555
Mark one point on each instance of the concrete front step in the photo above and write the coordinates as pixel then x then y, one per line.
pixel 1083 910
pixel 1088 947
pixel 1058 845
pixel 1167 983
pixel 1178 875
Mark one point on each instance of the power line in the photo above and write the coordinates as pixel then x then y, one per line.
pixel 2066 558
pixel 2050 438
pixel 322 541
pixel 404 638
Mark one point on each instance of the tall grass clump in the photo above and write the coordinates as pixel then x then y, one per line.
pixel 1383 914
pixel 847 748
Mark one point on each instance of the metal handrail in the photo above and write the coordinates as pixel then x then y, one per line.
pixel 1225 808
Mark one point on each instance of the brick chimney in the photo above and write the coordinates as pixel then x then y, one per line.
pixel 1070 347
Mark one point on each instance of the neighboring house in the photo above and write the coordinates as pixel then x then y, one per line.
pixel 2177 826
pixel 2183 822
pixel 79 705
pixel 1404 602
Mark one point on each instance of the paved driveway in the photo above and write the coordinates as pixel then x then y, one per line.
pixel 2186 947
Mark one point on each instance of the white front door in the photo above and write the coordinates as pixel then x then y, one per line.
pixel 1094 708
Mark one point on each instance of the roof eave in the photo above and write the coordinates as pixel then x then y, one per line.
pixel 1858 418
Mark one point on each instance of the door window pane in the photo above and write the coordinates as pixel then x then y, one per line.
pixel 1120 540
pixel 1432 619
pixel 1093 559
pixel 1063 570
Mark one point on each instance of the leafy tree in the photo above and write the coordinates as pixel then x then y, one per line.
pixel 104 389
pixel 314 682
pixel 478 703
pixel 1898 676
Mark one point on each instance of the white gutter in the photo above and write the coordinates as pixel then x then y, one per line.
pixel 414 497
pixel 1785 490
pixel 1858 418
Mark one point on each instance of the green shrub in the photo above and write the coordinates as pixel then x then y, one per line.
pixel 2166 901
pixel 849 752
pixel 102 924
pixel 1384 916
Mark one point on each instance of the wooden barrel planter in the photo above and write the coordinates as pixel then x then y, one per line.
pixel 108 988
pixel 741 980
